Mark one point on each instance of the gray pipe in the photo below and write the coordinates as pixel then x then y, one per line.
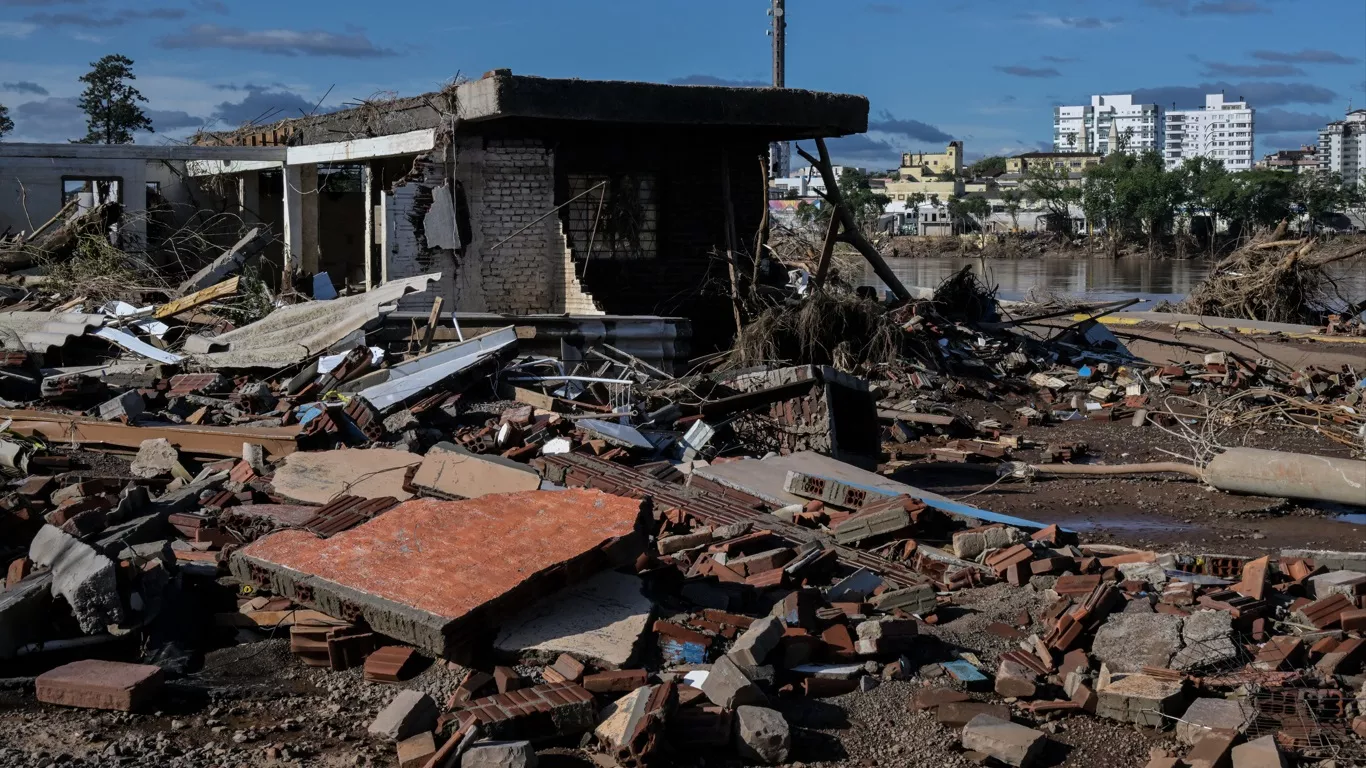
pixel 1289 475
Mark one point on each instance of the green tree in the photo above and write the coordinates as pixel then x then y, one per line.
pixel 6 124
pixel 111 103
pixel 1013 200
pixel 1263 197
pixel 994 165
pixel 1319 194
pixel 1102 200
pixel 1209 192
pixel 1071 142
pixel 1054 190
pixel 1153 196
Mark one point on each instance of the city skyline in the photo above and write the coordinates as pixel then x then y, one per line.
pixel 1000 68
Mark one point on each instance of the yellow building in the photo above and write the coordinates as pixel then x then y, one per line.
pixel 1074 162
pixel 930 173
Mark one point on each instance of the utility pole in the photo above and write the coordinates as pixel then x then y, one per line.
pixel 780 151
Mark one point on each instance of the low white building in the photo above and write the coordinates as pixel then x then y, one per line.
pixel 1223 130
pixel 804 182
pixel 1342 147
pixel 1094 127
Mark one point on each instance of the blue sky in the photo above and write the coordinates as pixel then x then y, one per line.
pixel 984 71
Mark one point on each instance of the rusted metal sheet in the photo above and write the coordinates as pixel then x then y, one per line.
pixel 205 441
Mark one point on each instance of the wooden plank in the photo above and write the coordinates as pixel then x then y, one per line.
pixel 198 298
pixel 432 320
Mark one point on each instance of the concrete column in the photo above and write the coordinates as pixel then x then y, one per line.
pixel 134 194
pixel 294 229
pixel 367 182
pixel 308 186
pixel 249 197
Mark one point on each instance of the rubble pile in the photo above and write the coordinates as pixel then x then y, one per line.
pixel 596 552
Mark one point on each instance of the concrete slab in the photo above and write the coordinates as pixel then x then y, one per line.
pixel 435 574
pixel 451 472
pixel 601 620
pixel 318 477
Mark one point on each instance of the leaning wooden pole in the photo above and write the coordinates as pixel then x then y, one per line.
pixel 852 234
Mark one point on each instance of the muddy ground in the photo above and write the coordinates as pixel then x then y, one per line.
pixel 1167 512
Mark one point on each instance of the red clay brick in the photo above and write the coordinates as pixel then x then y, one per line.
pixel 100 685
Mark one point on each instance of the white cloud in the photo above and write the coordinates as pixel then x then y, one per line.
pixel 16 29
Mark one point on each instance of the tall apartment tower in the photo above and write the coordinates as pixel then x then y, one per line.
pixel 1342 147
pixel 1223 130
pixel 1090 128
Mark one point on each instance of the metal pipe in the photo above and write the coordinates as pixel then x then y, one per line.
pixel 1117 469
pixel 1289 475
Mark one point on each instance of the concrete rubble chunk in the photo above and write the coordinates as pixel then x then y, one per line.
pixel 762 734
pixel 1140 699
pixel 1152 573
pixel 452 472
pixel 751 648
pixel 156 457
pixel 22 608
pixel 465 564
pixel 318 477
pixel 83 577
pixel 410 713
pixel 618 720
pixel 1210 714
pixel 1011 743
pixel 1207 637
pixel 499 754
pixel 1348 583
pixel 885 635
pixel 602 620
pixel 727 686
pixel 917 599
pixel 1258 753
pixel 1127 642
pixel 128 406
pixel 100 685
pixel 1213 750
pixel 671 544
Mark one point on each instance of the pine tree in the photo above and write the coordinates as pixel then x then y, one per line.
pixel 111 103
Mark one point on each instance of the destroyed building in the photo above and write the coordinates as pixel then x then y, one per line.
pixel 530 195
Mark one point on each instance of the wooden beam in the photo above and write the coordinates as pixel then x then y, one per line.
pixel 431 324
pixel 198 298
pixel 832 233
pixel 851 233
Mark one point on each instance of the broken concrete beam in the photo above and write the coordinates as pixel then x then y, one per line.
pixel 100 685
pixel 727 686
pixel 1008 742
pixel 1140 699
pixel 499 754
pixel 751 648
pixel 540 712
pixel 409 713
pixel 434 573
pixel 762 735
pixel 231 261
pixel 671 544
pixel 84 577
pixel 602 620
pixel 451 472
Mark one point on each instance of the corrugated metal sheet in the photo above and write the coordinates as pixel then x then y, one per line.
pixel 294 334
pixel 42 331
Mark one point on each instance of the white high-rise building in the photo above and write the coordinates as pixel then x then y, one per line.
pixel 1342 147
pixel 1223 130
pixel 1089 128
